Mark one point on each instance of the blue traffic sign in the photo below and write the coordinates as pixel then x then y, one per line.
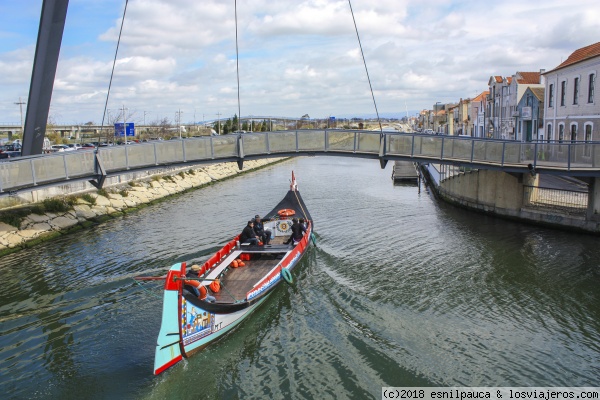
pixel 119 129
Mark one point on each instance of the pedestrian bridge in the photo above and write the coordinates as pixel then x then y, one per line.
pixel 574 159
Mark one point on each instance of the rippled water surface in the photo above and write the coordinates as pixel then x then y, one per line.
pixel 401 290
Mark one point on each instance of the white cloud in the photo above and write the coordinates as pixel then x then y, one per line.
pixel 297 56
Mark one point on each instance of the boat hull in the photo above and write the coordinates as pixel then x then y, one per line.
pixel 193 318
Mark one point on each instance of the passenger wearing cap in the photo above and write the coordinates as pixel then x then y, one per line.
pixel 297 232
pixel 193 273
pixel 263 235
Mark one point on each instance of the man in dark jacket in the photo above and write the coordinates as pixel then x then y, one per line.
pixel 259 229
pixel 248 235
pixel 297 231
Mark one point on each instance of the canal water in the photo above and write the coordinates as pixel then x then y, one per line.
pixel 401 290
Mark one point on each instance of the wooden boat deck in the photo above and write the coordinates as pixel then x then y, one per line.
pixel 237 282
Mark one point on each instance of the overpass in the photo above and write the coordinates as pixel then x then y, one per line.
pixel 572 159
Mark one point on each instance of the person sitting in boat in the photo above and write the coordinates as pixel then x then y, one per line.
pixel 303 223
pixel 248 235
pixel 193 273
pixel 259 229
pixel 297 232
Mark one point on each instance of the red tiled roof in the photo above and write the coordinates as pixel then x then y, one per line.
pixel 581 54
pixel 481 95
pixel 528 78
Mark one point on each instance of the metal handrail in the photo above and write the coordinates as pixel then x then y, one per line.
pixel 563 158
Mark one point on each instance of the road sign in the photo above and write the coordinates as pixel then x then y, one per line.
pixel 119 129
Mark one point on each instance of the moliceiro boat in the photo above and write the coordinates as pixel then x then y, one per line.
pixel 203 303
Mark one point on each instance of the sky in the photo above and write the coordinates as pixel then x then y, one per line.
pixel 296 57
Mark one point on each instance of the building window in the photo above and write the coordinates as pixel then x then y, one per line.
pixel 573 132
pixel 549 135
pixel 587 150
pixel 563 92
pixel 561 133
pixel 575 90
pixel 588 133
pixel 591 88
pixel 551 95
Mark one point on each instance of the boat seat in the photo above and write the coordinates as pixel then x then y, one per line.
pixel 275 248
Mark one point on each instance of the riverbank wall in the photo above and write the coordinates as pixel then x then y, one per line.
pixel 503 195
pixel 41 215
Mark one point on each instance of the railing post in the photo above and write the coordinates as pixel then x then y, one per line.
pixel 503 153
pixel 183 150
pixel 569 157
pixel 535 155
pixel 65 164
pixel 126 155
pixel 240 147
pixel 382 141
pixel 382 150
pixel 155 155
pixel 355 142
pixel 268 143
pixel 472 150
pixel 212 148
pixel 297 142
pixel 326 140
pixel 412 147
pixel 442 149
pixel 33 177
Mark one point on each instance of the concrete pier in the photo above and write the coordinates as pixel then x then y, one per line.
pixel 505 195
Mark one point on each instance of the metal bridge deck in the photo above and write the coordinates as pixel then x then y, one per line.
pixel 574 159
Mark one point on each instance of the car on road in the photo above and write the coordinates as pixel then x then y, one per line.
pixel 60 147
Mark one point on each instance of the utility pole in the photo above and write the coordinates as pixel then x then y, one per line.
pixel 179 121
pixel 20 104
pixel 124 126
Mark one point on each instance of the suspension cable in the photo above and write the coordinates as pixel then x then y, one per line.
pixel 237 63
pixel 365 63
pixel 113 71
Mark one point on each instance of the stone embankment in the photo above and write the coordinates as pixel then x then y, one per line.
pixel 97 206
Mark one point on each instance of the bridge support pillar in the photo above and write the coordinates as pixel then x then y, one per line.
pixel 593 208
pixel 52 23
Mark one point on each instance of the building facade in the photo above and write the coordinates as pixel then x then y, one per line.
pixel 572 107
pixel 477 111
pixel 530 115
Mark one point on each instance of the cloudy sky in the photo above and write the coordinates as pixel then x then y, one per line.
pixel 296 56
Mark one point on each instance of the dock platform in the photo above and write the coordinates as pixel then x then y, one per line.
pixel 405 171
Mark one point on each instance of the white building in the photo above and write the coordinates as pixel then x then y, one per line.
pixel 572 107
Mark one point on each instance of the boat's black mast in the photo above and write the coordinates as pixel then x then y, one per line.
pixel 52 24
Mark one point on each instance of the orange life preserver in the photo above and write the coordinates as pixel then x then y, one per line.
pixel 286 212
pixel 215 286
pixel 198 286
pixel 241 264
pixel 235 264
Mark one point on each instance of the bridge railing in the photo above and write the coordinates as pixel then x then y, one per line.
pixel 480 153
